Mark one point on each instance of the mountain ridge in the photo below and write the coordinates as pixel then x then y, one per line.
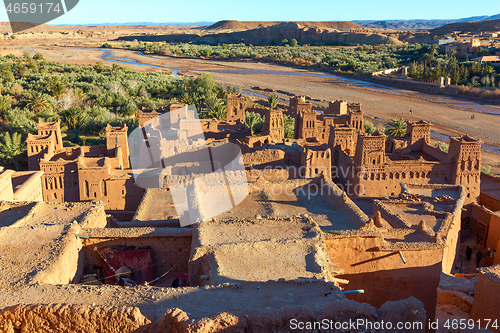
pixel 420 24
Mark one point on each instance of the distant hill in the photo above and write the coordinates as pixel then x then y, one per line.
pixel 420 24
pixel 490 25
pixel 478 18
pixel 403 24
pixel 164 24
pixel 272 33
pixel 250 25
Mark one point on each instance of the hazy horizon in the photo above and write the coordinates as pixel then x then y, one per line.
pixel 92 12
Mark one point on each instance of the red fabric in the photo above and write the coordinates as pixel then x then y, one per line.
pixel 141 261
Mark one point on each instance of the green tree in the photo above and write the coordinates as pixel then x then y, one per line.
pixel 7 76
pixel 486 169
pixel 57 88
pixel 11 149
pixel 39 102
pixel 4 103
pixel 73 117
pixel 129 109
pixel 38 56
pixel 293 42
pixel 220 112
pixel 369 127
pixel 442 145
pixel 397 127
pixel 289 126
pixel 254 121
pixel 207 52
pixel 273 101
pixel 284 41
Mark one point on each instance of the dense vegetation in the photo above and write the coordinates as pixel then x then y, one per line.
pixel 434 65
pixel 427 62
pixel 362 59
pixel 85 99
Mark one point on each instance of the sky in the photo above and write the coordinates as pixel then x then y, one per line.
pixel 122 11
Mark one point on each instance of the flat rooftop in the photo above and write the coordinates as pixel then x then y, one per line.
pixel 292 198
pixel 240 250
pixel 37 241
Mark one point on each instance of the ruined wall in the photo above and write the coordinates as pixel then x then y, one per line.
pixel 492 220
pixel 279 320
pixel 490 184
pixel 270 174
pixel 170 246
pixel 122 194
pixel 6 192
pixel 67 267
pixel 485 305
pixel 316 160
pixel 235 108
pixel 343 200
pixel 257 140
pixel 30 189
pixel 51 318
pixel 382 274
pixel 264 158
pixel 435 152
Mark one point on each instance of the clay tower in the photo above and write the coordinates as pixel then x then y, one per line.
pixel 116 137
pixel 418 133
pixel 370 150
pixel 273 125
pixel 235 108
pixel 466 153
pixel 51 128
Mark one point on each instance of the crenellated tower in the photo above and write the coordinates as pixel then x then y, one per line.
pixel 116 137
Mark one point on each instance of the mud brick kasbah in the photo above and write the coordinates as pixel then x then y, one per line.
pixel 332 209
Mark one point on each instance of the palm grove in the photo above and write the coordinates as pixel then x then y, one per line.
pixel 86 98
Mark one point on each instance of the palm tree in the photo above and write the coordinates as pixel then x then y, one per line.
pixel 211 103
pixel 57 88
pixel 80 94
pixel 254 121
pixel 220 111
pixel 72 116
pixel 289 126
pixel 4 103
pixel 273 101
pixel 397 127
pixel 11 148
pixel 38 102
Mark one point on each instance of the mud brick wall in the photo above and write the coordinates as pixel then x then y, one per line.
pixel 167 251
